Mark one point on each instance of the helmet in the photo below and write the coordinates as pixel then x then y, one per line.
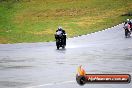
pixel 131 20
pixel 59 28
pixel 127 19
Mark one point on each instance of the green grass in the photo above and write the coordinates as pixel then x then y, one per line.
pixel 37 20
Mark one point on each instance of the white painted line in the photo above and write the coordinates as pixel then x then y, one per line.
pixel 51 84
pixel 100 31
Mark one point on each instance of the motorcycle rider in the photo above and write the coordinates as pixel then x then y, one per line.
pixel 59 33
pixel 127 29
pixel 130 23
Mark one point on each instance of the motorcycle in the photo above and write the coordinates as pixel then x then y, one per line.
pixel 127 32
pixel 60 41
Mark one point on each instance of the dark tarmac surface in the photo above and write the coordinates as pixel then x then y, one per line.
pixel 40 65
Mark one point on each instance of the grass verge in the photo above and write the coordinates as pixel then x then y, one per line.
pixel 37 20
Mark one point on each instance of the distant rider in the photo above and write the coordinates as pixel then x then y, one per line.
pixel 61 34
pixel 127 29
pixel 130 23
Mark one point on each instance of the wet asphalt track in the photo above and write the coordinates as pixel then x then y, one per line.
pixel 40 65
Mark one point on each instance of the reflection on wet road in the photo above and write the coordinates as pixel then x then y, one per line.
pixel 40 65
